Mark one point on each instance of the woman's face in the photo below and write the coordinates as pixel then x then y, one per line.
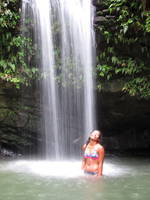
pixel 95 135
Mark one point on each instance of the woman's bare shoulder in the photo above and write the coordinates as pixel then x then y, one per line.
pixel 99 147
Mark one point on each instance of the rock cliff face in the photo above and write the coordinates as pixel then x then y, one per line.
pixel 123 120
pixel 19 121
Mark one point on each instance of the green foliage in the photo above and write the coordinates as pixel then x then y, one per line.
pixel 125 53
pixel 147 25
pixel 15 66
pixel 139 85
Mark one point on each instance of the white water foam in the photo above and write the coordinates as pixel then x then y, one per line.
pixel 61 169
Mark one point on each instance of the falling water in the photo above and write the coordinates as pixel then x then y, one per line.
pixel 64 39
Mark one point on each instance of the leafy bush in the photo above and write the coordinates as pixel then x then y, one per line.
pixel 15 67
pixel 125 53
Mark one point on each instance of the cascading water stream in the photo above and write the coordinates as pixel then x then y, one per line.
pixel 63 33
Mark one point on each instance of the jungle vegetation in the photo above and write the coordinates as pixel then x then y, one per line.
pixel 124 53
pixel 15 67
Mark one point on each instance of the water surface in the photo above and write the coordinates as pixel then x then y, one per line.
pixel 124 179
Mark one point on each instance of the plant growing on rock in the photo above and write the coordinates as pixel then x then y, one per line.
pixel 124 46
pixel 13 47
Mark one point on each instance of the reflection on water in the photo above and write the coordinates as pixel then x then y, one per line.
pixel 46 180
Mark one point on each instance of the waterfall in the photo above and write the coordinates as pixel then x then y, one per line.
pixel 64 40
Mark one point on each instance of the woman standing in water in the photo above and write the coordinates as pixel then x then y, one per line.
pixel 92 163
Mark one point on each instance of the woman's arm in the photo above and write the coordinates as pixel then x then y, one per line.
pixel 83 164
pixel 100 161
pixel 83 160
